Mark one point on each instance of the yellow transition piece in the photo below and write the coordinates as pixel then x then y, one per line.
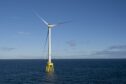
pixel 49 67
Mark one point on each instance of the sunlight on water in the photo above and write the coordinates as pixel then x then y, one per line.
pixel 50 78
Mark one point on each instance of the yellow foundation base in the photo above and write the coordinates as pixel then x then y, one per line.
pixel 49 67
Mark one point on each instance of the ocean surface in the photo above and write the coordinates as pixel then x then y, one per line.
pixel 67 71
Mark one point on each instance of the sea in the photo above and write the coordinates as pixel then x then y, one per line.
pixel 67 71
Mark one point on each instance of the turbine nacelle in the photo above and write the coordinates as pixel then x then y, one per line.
pixel 51 25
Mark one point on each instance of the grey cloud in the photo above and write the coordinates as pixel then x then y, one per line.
pixel 71 43
pixel 24 33
pixel 118 47
pixel 7 49
pixel 118 51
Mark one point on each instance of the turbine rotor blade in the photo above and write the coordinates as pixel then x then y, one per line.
pixel 41 18
pixel 63 22
pixel 45 43
pixel 46 39
pixel 44 21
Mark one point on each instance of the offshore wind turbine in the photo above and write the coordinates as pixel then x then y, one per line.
pixel 50 65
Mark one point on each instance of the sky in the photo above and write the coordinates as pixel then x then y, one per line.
pixel 96 29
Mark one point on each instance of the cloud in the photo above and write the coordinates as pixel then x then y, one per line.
pixel 118 51
pixel 24 33
pixel 119 47
pixel 7 49
pixel 71 43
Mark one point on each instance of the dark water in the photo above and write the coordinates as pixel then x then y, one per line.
pixel 85 71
